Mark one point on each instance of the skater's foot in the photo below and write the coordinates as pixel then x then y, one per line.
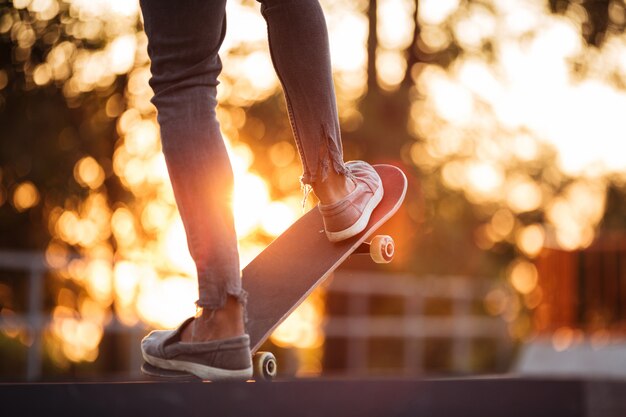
pixel 348 215
pixel 217 349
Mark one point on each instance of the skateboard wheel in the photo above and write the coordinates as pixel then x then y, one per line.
pixel 382 249
pixel 264 365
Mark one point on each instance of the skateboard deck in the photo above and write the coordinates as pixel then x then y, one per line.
pixel 298 261
pixel 301 258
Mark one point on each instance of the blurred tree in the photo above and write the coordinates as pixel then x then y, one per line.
pixel 46 126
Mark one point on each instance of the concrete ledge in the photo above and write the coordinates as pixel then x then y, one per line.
pixel 490 396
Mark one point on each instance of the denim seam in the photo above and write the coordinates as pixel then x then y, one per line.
pixel 288 102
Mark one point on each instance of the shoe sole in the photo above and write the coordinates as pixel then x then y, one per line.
pixel 199 370
pixel 361 223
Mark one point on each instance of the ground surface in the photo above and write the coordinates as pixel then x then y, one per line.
pixel 489 396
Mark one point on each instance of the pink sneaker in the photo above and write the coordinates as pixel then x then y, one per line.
pixel 349 216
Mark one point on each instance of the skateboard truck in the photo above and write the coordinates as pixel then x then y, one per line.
pixel 381 249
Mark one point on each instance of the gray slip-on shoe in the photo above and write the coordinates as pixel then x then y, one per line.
pixel 349 216
pixel 217 360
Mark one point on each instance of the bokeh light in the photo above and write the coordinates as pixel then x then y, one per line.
pixel 25 196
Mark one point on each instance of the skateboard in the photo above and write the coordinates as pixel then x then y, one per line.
pixel 297 262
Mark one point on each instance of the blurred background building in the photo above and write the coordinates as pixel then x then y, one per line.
pixel 505 115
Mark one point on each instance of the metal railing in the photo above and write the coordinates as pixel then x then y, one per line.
pixel 357 327
pixel 35 320
pixel 414 326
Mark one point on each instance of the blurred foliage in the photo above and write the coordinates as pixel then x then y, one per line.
pixel 47 125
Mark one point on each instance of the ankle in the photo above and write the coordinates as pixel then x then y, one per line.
pixel 232 312
pixel 334 188
pixel 222 323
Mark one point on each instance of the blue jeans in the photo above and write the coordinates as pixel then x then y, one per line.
pixel 183 42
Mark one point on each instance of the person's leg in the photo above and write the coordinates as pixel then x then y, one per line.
pixel 183 42
pixel 300 53
pixel 299 47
